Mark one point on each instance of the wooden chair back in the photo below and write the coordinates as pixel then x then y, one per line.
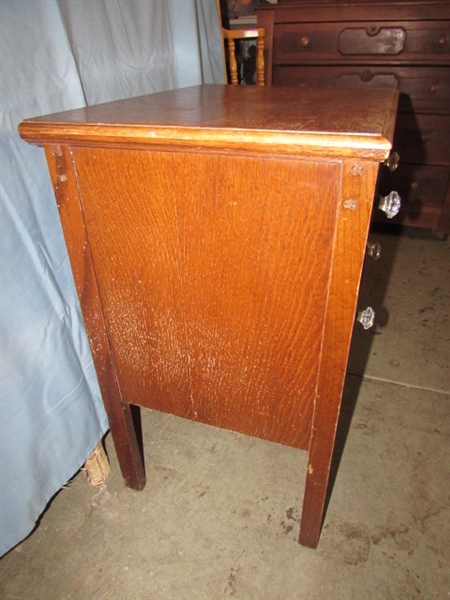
pixel 229 37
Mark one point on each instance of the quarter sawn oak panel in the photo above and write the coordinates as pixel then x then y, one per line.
pixel 213 288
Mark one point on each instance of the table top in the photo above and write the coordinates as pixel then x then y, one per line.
pixel 338 122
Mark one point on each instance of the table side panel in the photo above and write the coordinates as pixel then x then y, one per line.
pixel 213 273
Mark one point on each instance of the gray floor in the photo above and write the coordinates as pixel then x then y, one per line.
pixel 219 515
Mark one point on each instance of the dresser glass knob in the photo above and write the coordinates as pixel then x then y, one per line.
pixel 390 204
pixel 305 41
pixel 366 317
pixel 392 161
pixel 374 250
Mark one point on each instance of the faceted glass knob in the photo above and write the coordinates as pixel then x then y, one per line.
pixel 366 317
pixel 390 204
pixel 374 250
pixel 392 161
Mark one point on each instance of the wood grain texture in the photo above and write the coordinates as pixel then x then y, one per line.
pixel 71 214
pixel 213 273
pixel 233 119
pixel 352 225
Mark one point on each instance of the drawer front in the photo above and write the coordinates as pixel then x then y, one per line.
pixel 423 139
pixel 301 43
pixel 421 88
pixel 418 185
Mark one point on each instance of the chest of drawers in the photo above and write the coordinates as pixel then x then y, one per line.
pixel 217 236
pixel 359 45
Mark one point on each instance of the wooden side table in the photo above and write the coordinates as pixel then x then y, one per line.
pixel 217 237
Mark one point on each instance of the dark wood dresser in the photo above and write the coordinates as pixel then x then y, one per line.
pixel 217 236
pixel 403 45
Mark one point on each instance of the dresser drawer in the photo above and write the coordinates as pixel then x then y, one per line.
pixel 401 44
pixel 423 139
pixel 380 41
pixel 421 88
pixel 423 190
pixel 417 185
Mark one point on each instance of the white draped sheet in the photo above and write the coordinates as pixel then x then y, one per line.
pixel 58 55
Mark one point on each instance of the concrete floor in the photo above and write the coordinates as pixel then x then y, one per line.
pixel 219 515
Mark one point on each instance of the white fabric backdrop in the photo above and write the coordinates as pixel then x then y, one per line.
pixel 58 55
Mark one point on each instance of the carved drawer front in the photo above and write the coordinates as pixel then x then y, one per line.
pixel 423 139
pixel 383 41
pixel 417 184
pixel 421 88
